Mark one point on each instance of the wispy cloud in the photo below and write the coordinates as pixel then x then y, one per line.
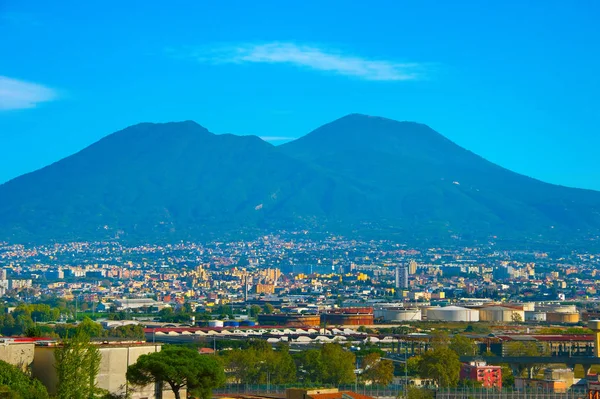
pixel 18 94
pixel 276 138
pixel 317 58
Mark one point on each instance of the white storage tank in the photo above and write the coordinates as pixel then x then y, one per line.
pixel 215 323
pixel 452 313
pixel 535 316
pixel 401 314
pixel 501 314
pixel 558 308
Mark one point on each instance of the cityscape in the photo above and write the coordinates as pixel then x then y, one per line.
pixel 299 200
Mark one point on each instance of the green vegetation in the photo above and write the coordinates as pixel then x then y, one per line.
pixel 77 364
pixel 376 370
pixel 178 367
pixel 419 393
pixel 330 364
pixel 463 346
pixel 15 384
pixel 441 365
pixel 257 362
pixel 317 176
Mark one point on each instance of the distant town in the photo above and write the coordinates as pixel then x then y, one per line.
pixel 515 320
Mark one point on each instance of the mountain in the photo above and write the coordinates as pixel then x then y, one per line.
pixel 415 177
pixel 358 175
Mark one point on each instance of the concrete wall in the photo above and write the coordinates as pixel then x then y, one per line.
pixel 112 373
pixel 17 353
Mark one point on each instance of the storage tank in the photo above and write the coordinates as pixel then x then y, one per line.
pixel 452 313
pixel 558 308
pixel 535 316
pixel 248 323
pixel 232 323
pixel 501 314
pixel 215 323
pixel 560 317
pixel 401 314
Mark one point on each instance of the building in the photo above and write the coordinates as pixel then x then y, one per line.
pixel 412 267
pixel 401 278
pixel 488 376
pixel 115 358
pixel 265 288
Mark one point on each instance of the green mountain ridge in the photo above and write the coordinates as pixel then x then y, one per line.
pixel 359 175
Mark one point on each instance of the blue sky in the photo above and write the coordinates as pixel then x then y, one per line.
pixel 514 81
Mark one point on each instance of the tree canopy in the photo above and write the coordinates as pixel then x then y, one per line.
pixel 377 370
pixel 179 367
pixel 330 364
pixel 462 345
pixel 19 385
pixel 442 365
pixel 77 364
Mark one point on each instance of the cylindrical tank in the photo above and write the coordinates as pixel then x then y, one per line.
pixel 529 306
pixel 215 323
pixel 248 323
pixel 535 316
pixel 401 314
pixel 558 308
pixel 560 317
pixel 232 323
pixel 453 313
pixel 501 314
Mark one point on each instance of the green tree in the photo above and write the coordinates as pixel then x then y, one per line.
pixel 131 331
pixel 90 328
pixel 310 366
pixel 419 393
pixel 268 308
pixel 376 370
pixel 19 385
pixel 462 345
pixel 516 317
pixel 442 365
pixel 439 339
pixel 77 362
pixel 255 310
pixel 179 367
pixel 338 364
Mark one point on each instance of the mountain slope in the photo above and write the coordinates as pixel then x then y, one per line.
pixel 358 175
pixel 416 177
pixel 164 180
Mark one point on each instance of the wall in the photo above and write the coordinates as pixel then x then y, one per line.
pixel 17 353
pixel 111 376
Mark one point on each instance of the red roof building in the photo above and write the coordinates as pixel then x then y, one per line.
pixel 489 376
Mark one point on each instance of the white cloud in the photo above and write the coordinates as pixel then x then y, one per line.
pixel 314 58
pixel 18 94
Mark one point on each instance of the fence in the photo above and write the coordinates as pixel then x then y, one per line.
pixel 397 391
